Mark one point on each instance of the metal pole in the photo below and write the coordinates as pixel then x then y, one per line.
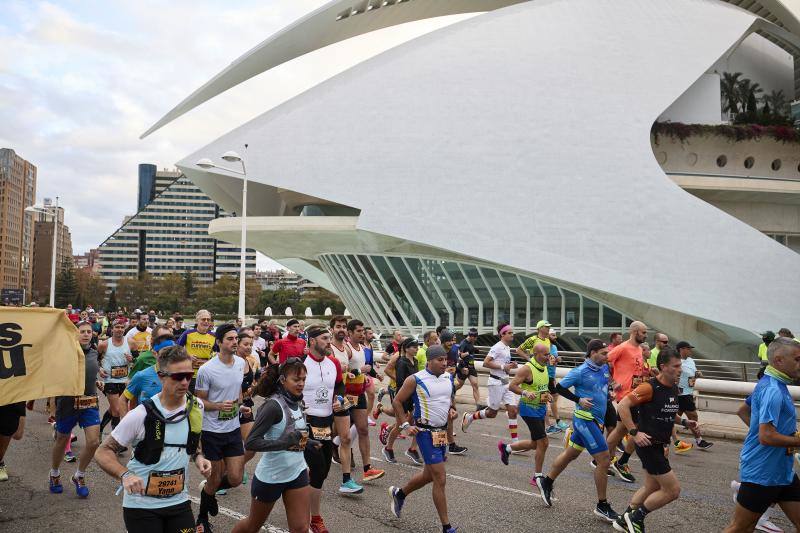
pixel 53 259
pixel 244 244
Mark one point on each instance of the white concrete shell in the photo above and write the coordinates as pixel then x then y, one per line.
pixel 520 138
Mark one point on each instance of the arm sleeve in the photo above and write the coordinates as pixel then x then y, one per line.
pixel 269 414
pixel 566 393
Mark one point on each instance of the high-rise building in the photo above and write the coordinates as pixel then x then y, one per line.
pixel 169 234
pixel 88 261
pixel 17 191
pixel 273 280
pixel 43 250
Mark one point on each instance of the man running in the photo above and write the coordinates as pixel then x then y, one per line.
pixel 164 432
pixel 404 365
pixel 12 426
pixel 431 391
pixel 590 382
pixel 429 338
pixel 323 385
pixel 766 469
pixel 83 410
pixel 146 383
pixel 657 403
pixel 290 346
pixel 199 342
pixel 139 335
pixel 465 369
pixel 525 350
pixel 689 374
pixel 532 384
pixel 115 354
pixel 219 385
pixel 499 363
pixel 660 340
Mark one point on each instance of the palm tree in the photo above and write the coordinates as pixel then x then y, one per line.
pixel 776 101
pixel 729 87
pixel 748 92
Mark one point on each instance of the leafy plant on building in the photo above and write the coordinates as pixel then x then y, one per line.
pixel 741 98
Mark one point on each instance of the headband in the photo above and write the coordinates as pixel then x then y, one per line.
pixel 316 332
pixel 505 328
pixel 164 344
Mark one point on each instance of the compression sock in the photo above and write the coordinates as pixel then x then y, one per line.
pixel 623 459
pixel 512 429
pixel 345 477
pixel 477 415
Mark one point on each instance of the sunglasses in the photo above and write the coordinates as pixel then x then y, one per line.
pixel 177 376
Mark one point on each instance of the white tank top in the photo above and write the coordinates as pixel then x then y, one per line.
pixel 432 398
pixel 358 359
pixel 115 357
pixel 320 382
pixel 341 356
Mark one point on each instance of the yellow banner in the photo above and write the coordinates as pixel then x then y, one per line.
pixel 40 355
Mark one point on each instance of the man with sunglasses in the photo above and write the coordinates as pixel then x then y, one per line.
pixel 219 385
pixel 199 342
pixel 156 479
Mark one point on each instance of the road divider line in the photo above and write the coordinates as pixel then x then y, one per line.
pixel 551 445
pixel 239 516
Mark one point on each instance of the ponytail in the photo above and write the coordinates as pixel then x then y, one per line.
pixel 270 380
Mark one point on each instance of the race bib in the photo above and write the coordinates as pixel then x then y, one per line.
pixel 350 401
pixel 321 433
pixel 439 437
pixel 119 371
pixel 85 402
pixel 230 414
pixel 165 484
pixel 302 444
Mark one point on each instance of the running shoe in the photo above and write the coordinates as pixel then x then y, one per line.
pixel 623 471
pixel 396 503
pixel 593 464
pixel 562 425
pixel 766 525
pixel 69 457
pixel 3 473
pixel 383 434
pixel 682 446
pixel 414 456
pixel 350 487
pixel 388 455
pixel 371 422
pixel 501 447
pixel 632 522
pixel 704 444
pixel 546 491
pixel 604 511
pixel 377 411
pixel 372 474
pixel 335 454
pixel 80 486
pixel 620 524
pixel 55 485
pixel 381 394
pixel 552 429
pixel 452 530
pixel 207 501
pixel 533 481
pixel 455 449
pixel 466 420
pixel 318 526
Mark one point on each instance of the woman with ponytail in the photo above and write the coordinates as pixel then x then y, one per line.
pixel 280 432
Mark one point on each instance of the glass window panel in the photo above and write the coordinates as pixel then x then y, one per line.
pixel 572 309
pixel 385 303
pixel 628 322
pixel 449 293
pixel 499 291
pixel 591 313
pixel 362 283
pixel 483 293
pixel 466 294
pixel 537 300
pixel 611 319
pixel 520 299
pixel 406 277
pixel 393 285
pixel 429 285
pixel 553 304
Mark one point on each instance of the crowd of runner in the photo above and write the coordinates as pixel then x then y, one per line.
pixel 177 395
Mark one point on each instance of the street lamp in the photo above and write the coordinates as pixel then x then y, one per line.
pixel 233 157
pixel 47 210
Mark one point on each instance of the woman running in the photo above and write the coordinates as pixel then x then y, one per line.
pixel 244 350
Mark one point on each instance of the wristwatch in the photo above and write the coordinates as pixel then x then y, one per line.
pixel 633 432
pixel 404 425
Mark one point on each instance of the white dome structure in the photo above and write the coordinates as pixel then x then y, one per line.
pixel 538 121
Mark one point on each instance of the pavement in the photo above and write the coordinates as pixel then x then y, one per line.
pixel 484 495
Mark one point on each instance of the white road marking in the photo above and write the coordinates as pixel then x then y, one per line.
pixel 239 516
pixel 501 438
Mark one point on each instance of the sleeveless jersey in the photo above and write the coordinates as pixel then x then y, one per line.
pixel 432 398
pixel 539 384
pixel 115 362
pixel 321 379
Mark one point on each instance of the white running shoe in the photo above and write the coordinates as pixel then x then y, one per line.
pixel 766 525
pixel 466 420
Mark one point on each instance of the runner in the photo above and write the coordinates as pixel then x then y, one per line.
pixel 289 346
pixel 139 335
pixel 525 350
pixel 465 370
pixel 431 391
pixel 499 363
pixel 531 382
pixel 373 376
pixel 219 385
pixel 244 351
pixel 82 410
pixel 447 340
pixel 12 426
pixel 156 479
pixel 660 340
pixel 199 342
pixel 147 383
pixel 689 374
pixel 405 366
pixel 429 338
pixel 178 330
pixel 260 346
pixel 767 454
pixel 552 364
pixel 281 433
pixel 322 387
pixel 590 381
pixel 115 354
pixel 394 346
pixel 657 403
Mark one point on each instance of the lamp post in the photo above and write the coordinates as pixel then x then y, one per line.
pixel 233 157
pixel 47 210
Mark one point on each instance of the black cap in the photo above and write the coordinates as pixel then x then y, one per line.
pixel 292 322
pixel 408 342
pixel 437 350
pixel 683 344
pixel 446 336
pixel 768 335
pixel 473 332
pixel 594 345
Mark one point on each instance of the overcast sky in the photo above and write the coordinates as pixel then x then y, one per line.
pixel 81 80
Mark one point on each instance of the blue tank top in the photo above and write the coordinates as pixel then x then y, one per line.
pixel 284 465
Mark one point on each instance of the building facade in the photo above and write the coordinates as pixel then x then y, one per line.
pixel 43 251
pixel 170 235
pixel 523 195
pixel 273 280
pixel 87 261
pixel 17 191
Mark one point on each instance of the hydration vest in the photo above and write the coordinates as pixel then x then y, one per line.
pixel 148 451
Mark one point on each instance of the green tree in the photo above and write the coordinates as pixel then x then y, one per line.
pixel 729 87
pixel 748 93
pixel 777 102
pixel 112 301
pixel 66 286
pixel 189 288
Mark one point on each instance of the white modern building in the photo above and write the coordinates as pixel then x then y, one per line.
pixel 520 144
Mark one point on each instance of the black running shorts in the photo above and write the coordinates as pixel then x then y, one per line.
pixel 173 519
pixel 757 498
pixel 9 418
pixel 654 459
pixel 686 403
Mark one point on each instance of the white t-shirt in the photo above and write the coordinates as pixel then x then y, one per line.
pixel 499 353
pixel 259 344
pixel 141 339
pixel 131 428
pixel 223 382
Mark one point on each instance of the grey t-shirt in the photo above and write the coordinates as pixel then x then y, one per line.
pixel 65 405
pixel 223 382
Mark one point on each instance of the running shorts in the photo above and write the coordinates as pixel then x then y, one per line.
pixel 114 388
pixel 218 446
pixel 654 459
pixel 536 427
pixel 173 519
pixel 686 403
pixel 757 498
pixel 587 435
pixel 271 492
pixel 499 395
pixel 319 460
pixel 84 418
pixel 611 416
pixel 360 404
pixel 463 371
pixel 9 418
pixel 431 454
pixel 392 391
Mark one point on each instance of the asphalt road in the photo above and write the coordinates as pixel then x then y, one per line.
pixel 484 495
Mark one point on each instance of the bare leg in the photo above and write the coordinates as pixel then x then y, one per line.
pixel 792 510
pixel 342 425
pixel 439 495
pixel 297 503
pixel 58 450
pixel 259 512
pixel 564 458
pixel 360 420
pixel 92 435
pixel 744 521
pixel 601 473
pixel 669 490
pixel 476 395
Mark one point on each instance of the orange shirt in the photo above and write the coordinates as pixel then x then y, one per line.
pixel 626 362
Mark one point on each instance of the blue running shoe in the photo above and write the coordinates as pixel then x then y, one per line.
pixel 55 485
pixel 80 487
pixel 452 530
pixel 562 425
pixel 350 487
pixel 552 429
pixel 397 502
